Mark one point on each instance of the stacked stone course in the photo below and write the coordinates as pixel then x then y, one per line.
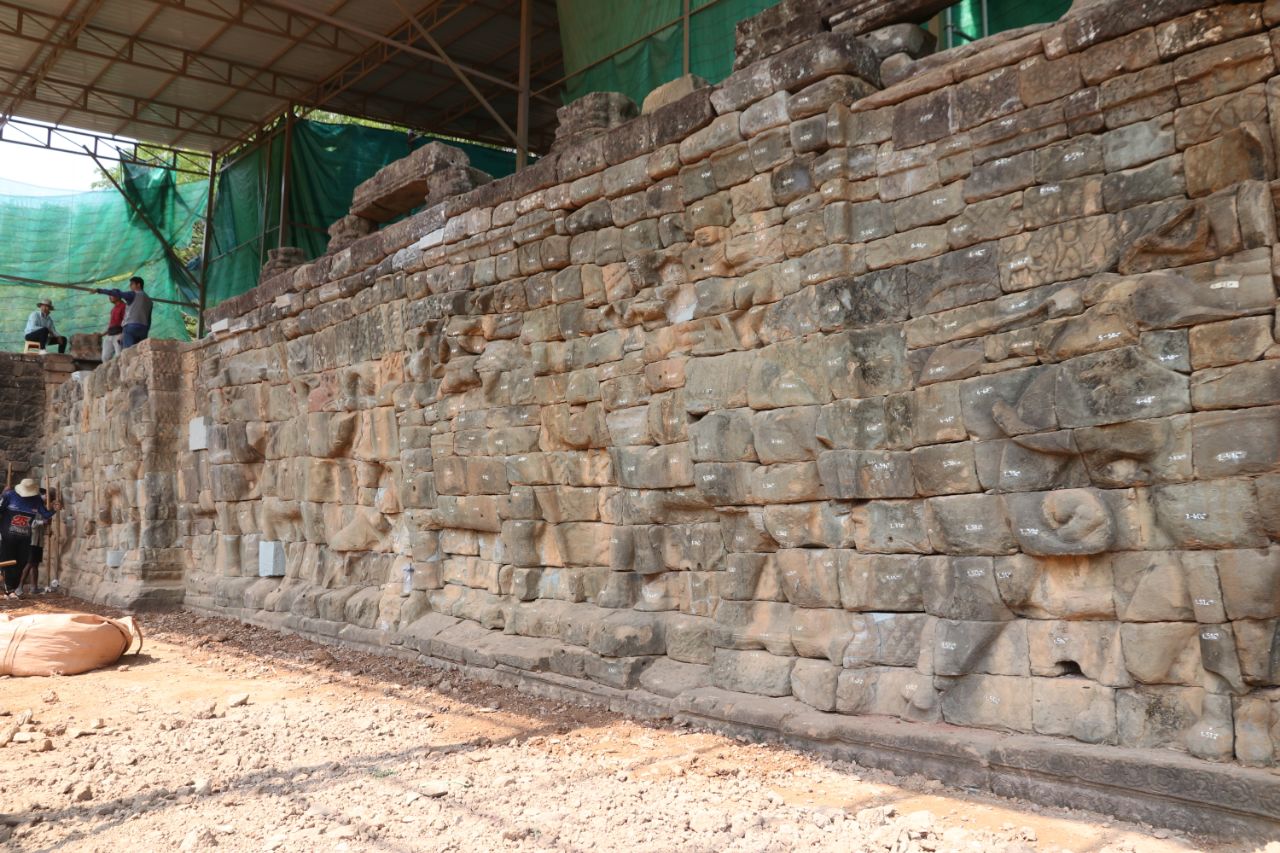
pixel 951 402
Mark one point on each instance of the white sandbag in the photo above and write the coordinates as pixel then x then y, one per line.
pixel 63 643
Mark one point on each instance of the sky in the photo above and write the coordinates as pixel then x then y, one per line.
pixel 37 167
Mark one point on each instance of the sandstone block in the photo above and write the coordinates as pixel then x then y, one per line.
pixel 962 588
pixel 988 701
pixel 877 690
pixel 759 673
pixel 1075 708
pixel 813 682
pixel 969 524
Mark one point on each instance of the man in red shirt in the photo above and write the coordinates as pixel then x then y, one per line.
pixel 115 328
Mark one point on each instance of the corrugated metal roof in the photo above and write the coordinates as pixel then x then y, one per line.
pixel 206 74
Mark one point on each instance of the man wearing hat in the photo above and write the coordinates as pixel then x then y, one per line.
pixel 21 510
pixel 40 327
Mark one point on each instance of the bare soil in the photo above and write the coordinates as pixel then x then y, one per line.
pixel 337 750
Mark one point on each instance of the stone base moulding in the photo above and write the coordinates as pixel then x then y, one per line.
pixel 1162 789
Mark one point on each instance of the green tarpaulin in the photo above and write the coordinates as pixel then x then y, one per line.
pixel 95 239
pixel 326 163
pixel 591 30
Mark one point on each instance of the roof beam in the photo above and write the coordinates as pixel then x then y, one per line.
pixel 139 52
pixel 252 15
pixel 52 49
pixel 457 70
pixel 106 104
pixel 371 59
pixel 36 135
pixel 301 9
pixel 267 62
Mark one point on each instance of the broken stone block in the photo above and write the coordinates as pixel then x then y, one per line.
pixel 671 92
pixel 1254 719
pixel 746 625
pixel 628 634
pixel 912 40
pixel 403 185
pixel 593 113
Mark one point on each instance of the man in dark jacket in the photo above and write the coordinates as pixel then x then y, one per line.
pixel 137 316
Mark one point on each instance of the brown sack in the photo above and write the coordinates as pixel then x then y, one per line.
pixel 63 643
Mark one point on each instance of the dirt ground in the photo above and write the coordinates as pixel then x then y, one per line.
pixel 220 736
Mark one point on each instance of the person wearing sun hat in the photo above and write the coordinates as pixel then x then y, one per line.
pixel 40 327
pixel 21 509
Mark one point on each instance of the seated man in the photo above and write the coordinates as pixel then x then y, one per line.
pixel 40 327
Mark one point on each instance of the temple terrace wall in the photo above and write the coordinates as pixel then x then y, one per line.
pixel 814 407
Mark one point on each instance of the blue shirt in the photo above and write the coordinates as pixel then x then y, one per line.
pixel 40 320
pixel 17 513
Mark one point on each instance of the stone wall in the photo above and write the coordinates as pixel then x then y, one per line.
pixel 25 382
pixel 797 403
pixel 112 449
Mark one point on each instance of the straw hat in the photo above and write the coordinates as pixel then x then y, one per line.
pixel 45 302
pixel 28 488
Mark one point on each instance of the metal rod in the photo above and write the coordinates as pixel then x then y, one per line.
pixel 264 211
pixel 142 214
pixel 686 37
pixel 284 178
pixel 207 243
pixel 63 286
pixel 307 12
pixel 456 69
pixel 522 108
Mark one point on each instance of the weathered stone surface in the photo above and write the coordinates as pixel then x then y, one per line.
pixel 952 402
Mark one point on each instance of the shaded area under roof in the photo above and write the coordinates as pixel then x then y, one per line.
pixel 205 75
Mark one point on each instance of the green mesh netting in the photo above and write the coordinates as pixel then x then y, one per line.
pixel 590 30
pixel 326 163
pixel 95 239
pixel 967 17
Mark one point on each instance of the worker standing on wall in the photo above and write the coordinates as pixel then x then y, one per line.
pixel 21 508
pixel 40 328
pixel 137 316
pixel 115 329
